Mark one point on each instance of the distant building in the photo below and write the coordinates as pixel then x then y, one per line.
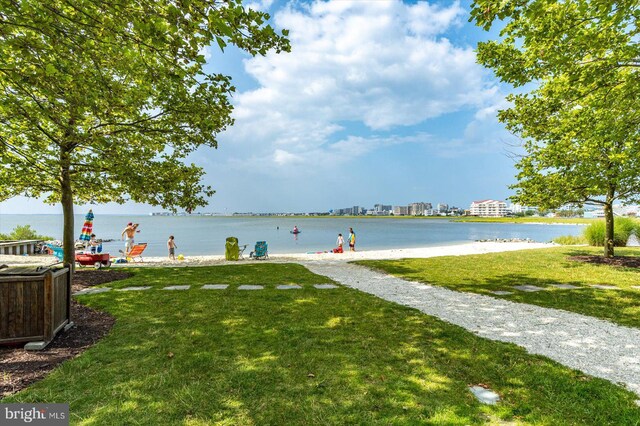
pixel 382 209
pixel 488 208
pixel 618 210
pixel 400 210
pixel 520 209
pixel 419 209
pixel 442 208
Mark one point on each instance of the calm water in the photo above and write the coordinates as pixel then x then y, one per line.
pixel 206 235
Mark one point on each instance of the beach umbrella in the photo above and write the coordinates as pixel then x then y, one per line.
pixel 87 227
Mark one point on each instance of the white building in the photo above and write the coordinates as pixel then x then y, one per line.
pixel 488 208
pixel 400 210
pixel 419 209
pixel 442 208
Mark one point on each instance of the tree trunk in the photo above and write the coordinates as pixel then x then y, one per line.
pixel 608 233
pixel 68 238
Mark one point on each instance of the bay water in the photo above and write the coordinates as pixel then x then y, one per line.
pixel 206 235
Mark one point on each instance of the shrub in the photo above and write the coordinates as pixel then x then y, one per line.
pixel 623 228
pixel 24 232
pixel 570 240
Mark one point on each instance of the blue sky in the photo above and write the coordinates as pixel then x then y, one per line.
pixel 378 102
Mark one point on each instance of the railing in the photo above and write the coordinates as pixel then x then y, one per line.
pixel 19 247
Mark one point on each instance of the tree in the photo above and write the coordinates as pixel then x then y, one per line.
pixel 24 232
pixel 577 64
pixel 104 100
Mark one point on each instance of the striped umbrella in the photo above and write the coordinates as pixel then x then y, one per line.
pixel 87 228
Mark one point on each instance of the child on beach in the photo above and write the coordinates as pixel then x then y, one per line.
pixel 94 244
pixel 340 243
pixel 171 245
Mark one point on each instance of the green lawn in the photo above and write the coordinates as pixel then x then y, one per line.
pixel 304 357
pixel 527 219
pixel 502 271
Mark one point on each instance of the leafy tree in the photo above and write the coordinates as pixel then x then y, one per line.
pixel 104 100
pixel 577 64
pixel 24 232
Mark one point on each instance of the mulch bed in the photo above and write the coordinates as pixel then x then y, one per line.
pixel 20 368
pixel 89 277
pixel 622 261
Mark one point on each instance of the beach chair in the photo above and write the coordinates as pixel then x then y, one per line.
pixel 231 249
pixel 260 251
pixel 56 251
pixel 135 254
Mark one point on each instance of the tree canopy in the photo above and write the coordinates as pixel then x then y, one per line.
pixel 104 100
pixel 576 65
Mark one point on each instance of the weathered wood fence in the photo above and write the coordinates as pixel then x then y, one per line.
pixel 18 247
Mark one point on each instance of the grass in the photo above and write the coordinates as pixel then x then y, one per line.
pixel 570 240
pixel 527 219
pixel 502 271
pixel 301 357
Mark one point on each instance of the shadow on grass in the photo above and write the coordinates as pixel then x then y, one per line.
pixel 309 357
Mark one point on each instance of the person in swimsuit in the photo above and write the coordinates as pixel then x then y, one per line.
pixel 171 245
pixel 130 232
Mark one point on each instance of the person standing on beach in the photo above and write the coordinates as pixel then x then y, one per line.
pixel 171 245
pixel 130 231
pixel 352 240
pixel 340 243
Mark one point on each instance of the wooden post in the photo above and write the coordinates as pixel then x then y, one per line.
pixel 48 306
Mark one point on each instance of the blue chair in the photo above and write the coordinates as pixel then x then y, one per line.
pixel 260 251
pixel 57 251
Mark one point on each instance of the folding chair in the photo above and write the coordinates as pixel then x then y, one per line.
pixel 260 251
pixel 136 252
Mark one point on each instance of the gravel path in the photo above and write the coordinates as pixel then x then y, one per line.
pixel 596 347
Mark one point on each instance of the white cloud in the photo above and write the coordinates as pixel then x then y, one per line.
pixel 260 5
pixel 381 65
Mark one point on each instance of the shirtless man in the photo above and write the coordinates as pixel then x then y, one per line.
pixel 130 231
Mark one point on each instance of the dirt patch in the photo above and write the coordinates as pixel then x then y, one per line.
pixel 622 261
pixel 84 278
pixel 20 368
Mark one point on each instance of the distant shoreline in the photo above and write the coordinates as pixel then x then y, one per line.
pixel 462 219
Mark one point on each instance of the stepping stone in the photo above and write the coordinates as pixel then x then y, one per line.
pixel 138 288
pixel 325 286
pixel 250 287
pixel 529 288
pixel 92 291
pixel 288 287
pixel 565 286
pixel 215 287
pixel 605 287
pixel 177 287
pixel 486 396
pixel 501 292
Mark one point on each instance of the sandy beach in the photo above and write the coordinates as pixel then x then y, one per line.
pixel 447 250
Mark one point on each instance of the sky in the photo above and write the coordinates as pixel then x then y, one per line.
pixel 378 102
